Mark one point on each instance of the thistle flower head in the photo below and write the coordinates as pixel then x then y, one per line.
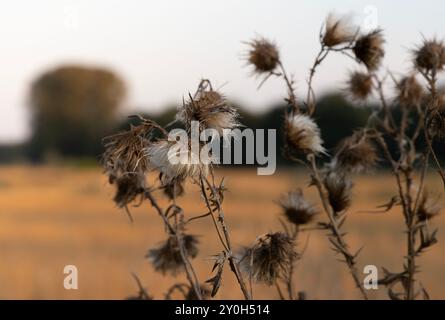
pixel 430 55
pixel 303 134
pixel 360 85
pixel 174 188
pixel 339 189
pixel 269 258
pixel 428 207
pixel 263 55
pixel 337 30
pixel 296 208
pixel 409 91
pixel 355 154
pixel 128 188
pixel 211 110
pixel 369 49
pixel 167 257
pixel 175 161
pixel 124 152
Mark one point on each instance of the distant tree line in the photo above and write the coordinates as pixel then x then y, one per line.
pixel 73 107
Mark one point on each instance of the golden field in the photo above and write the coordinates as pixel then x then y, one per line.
pixel 56 216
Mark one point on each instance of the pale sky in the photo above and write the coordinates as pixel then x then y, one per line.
pixel 162 48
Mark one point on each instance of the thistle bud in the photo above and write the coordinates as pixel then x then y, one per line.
pixel 355 154
pixel 430 55
pixel 360 85
pixel 369 49
pixel 167 257
pixel 296 209
pixel 263 55
pixel 337 30
pixel 339 189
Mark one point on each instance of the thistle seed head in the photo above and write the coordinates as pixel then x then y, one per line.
pixel 369 49
pixel 339 189
pixel 124 152
pixel 269 258
pixel 430 55
pixel 211 110
pixel 263 55
pixel 175 161
pixel 296 209
pixel 128 188
pixel 409 92
pixel 355 154
pixel 360 85
pixel 174 188
pixel 302 134
pixel 337 30
pixel 167 257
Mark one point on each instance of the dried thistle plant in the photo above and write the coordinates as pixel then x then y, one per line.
pixel 421 112
pixel 131 155
pixel 271 259
pixel 303 135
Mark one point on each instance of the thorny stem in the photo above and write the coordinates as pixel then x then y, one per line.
pixel 289 282
pixel 226 242
pixel 381 95
pixel 336 237
pixel 436 159
pixel 215 223
pixel 290 88
pixel 190 272
pixel 336 234
pixel 433 90
pixel 310 97
pixel 404 166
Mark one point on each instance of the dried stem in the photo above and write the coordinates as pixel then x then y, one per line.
pixel 432 82
pixel 310 97
pixel 189 270
pixel 289 280
pixel 290 88
pixel 225 239
pixel 337 237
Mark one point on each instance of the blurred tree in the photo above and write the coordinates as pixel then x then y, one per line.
pixel 338 118
pixel 73 107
